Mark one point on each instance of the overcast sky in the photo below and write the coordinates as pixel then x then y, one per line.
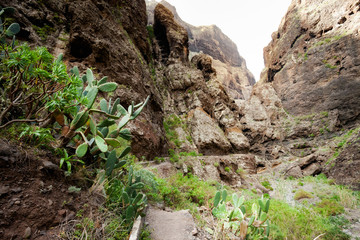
pixel 249 23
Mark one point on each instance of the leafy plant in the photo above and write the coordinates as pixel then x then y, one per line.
pixel 35 87
pixel 329 207
pixel 10 31
pixel 68 160
pixel 98 138
pixel 300 194
pixel 125 198
pixel 267 185
pixel 170 124
pixel 233 218
pixel 35 134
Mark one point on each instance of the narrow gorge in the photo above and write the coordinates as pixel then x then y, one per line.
pixel 292 137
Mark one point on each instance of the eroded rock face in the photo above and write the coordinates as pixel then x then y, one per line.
pixel 204 63
pixel 210 40
pixel 172 37
pixel 313 58
pixel 237 139
pixel 345 168
pixel 261 114
pixel 207 135
pixel 231 169
pixel 104 35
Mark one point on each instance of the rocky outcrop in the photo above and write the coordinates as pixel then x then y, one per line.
pixel 103 35
pixel 172 37
pixel 261 115
pixel 204 63
pixel 232 169
pixel 207 135
pixel 210 40
pixel 345 167
pixel 313 58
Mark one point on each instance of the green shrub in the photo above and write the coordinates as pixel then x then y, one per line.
pixel 170 124
pixel 267 185
pixel 329 207
pixel 124 195
pixel 300 194
pixel 35 135
pixel 42 88
pixel 235 219
pixel 295 223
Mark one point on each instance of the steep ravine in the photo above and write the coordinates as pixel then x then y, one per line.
pixel 301 119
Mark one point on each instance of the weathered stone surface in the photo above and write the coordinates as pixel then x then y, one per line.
pixel 230 169
pixel 261 114
pixel 204 63
pixel 312 170
pixel 172 37
pixel 238 81
pixel 207 135
pixel 230 66
pixel 294 172
pixel 313 59
pixel 345 168
pixel 237 139
pixel 177 225
pixel 184 137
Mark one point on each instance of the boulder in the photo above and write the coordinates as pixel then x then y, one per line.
pixel 294 172
pixel 206 134
pixel 237 139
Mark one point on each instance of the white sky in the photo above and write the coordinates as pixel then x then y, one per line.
pixel 249 23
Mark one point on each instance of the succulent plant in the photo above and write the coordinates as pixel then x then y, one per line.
pixel 246 226
pixel 127 196
pixel 96 136
pixel 12 30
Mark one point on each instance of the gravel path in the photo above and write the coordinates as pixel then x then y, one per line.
pixel 165 225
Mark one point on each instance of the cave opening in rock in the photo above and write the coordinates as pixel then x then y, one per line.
pixel 80 48
pixel 160 34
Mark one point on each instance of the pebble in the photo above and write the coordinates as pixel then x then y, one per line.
pixel 62 212
pixel 194 232
pixel 17 202
pixel 27 233
pixel 4 190
pixel 16 190
pixel 50 202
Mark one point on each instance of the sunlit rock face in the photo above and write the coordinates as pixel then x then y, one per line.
pixel 313 59
pixel 231 68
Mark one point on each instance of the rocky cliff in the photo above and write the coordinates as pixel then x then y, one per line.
pixel 230 66
pixel 105 35
pixel 306 105
pixel 312 60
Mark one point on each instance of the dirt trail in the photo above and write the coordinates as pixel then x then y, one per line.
pixel 165 225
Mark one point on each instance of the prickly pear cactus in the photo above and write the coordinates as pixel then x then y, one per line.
pixel 235 219
pixel 101 138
